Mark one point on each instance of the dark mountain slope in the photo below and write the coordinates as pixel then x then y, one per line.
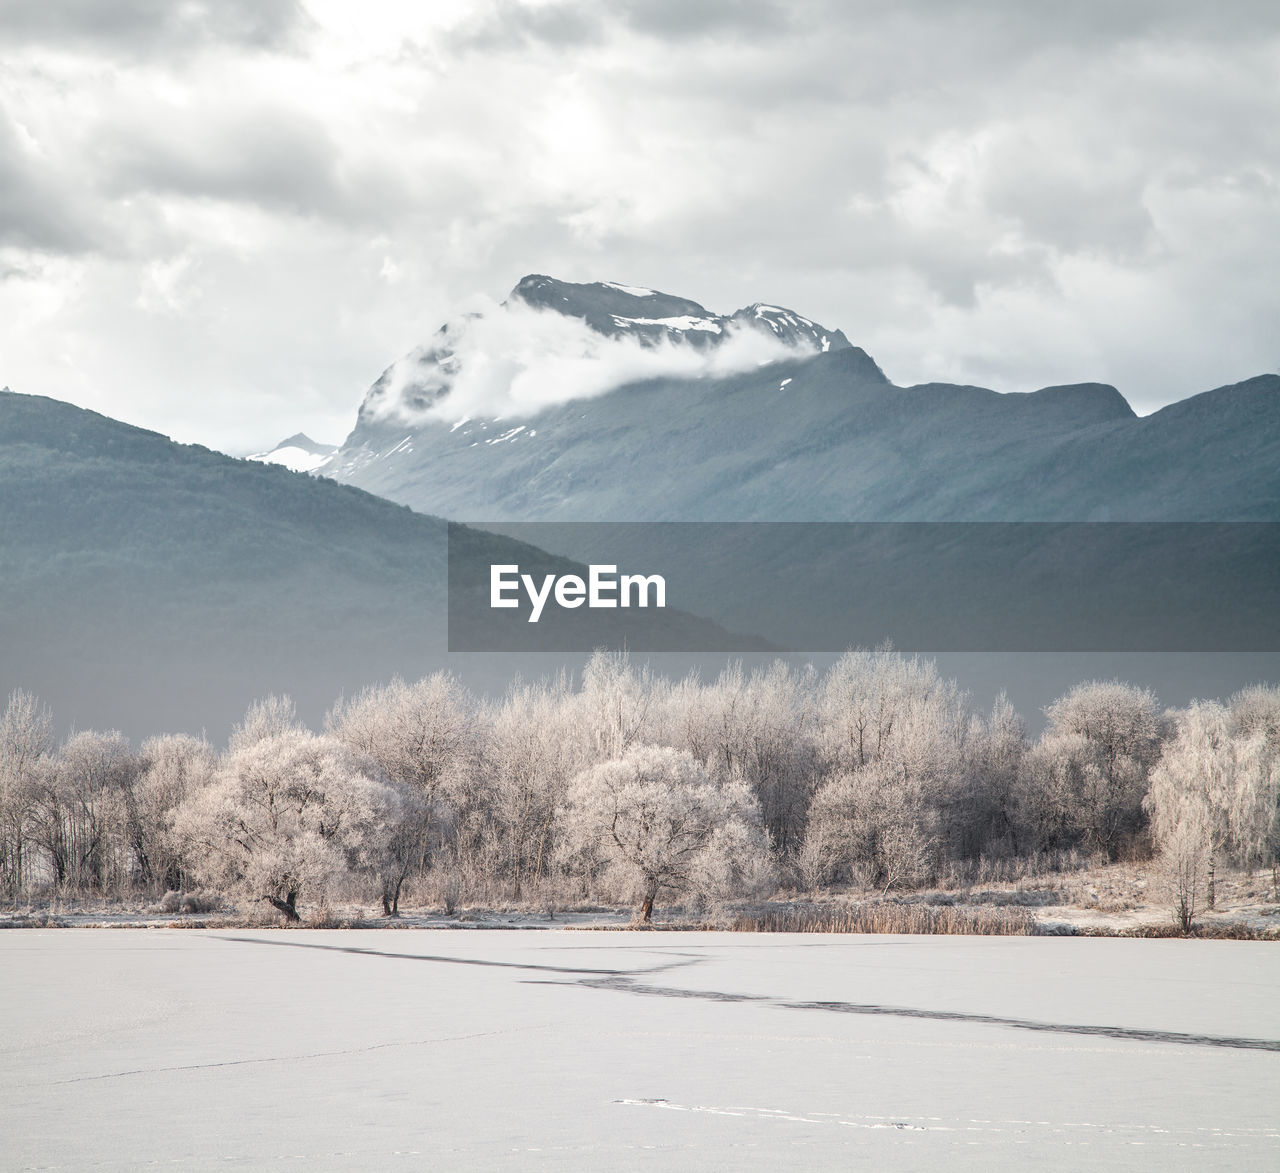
pixel 844 447
pixel 153 585
pixel 156 585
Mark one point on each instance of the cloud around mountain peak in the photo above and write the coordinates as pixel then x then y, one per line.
pixel 553 342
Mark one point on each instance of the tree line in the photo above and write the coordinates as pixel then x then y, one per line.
pixel 624 786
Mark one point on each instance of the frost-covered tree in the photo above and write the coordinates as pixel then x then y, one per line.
pixel 285 817
pixel 655 821
pixel 1182 863
pixel 534 748
pixel 79 813
pixel 875 772
pixel 992 808
pixel 1102 739
pixel 425 738
pixel 1222 782
pixel 1048 786
pixel 872 826
pixel 173 767
pixel 26 746
pixel 619 703
pixel 759 729
pixel 898 735
pixel 1256 712
pixel 398 853
pixel 1256 709
pixel 881 704
pixel 270 716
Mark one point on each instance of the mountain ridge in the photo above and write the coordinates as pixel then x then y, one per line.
pixel 814 436
pixel 149 583
pixel 656 316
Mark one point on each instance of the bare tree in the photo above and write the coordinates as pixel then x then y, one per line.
pixel 79 813
pixel 899 757
pixel 399 853
pixel 26 746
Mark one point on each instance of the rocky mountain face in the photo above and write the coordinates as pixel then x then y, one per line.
pixel 808 430
pixel 631 311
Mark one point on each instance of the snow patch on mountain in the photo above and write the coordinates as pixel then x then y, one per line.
pixel 299 453
pixel 687 322
pixel 634 290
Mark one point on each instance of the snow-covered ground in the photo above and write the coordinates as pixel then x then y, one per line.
pixel 572 1050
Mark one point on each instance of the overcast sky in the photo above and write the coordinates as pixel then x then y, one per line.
pixel 222 220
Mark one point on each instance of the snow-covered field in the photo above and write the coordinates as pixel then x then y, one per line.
pixel 493 1049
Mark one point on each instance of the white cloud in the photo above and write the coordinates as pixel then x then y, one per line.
pixel 222 224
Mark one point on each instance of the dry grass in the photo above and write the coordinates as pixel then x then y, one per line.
pixel 43 919
pixel 1210 931
pixel 890 918
pixel 1065 895
pixel 190 902
pixel 986 870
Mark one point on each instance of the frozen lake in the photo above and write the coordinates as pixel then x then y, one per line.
pixel 124 1049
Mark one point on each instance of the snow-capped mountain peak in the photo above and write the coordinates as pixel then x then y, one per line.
pixel 652 317
pixel 790 327
pixel 553 340
pixel 616 402
pixel 298 452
